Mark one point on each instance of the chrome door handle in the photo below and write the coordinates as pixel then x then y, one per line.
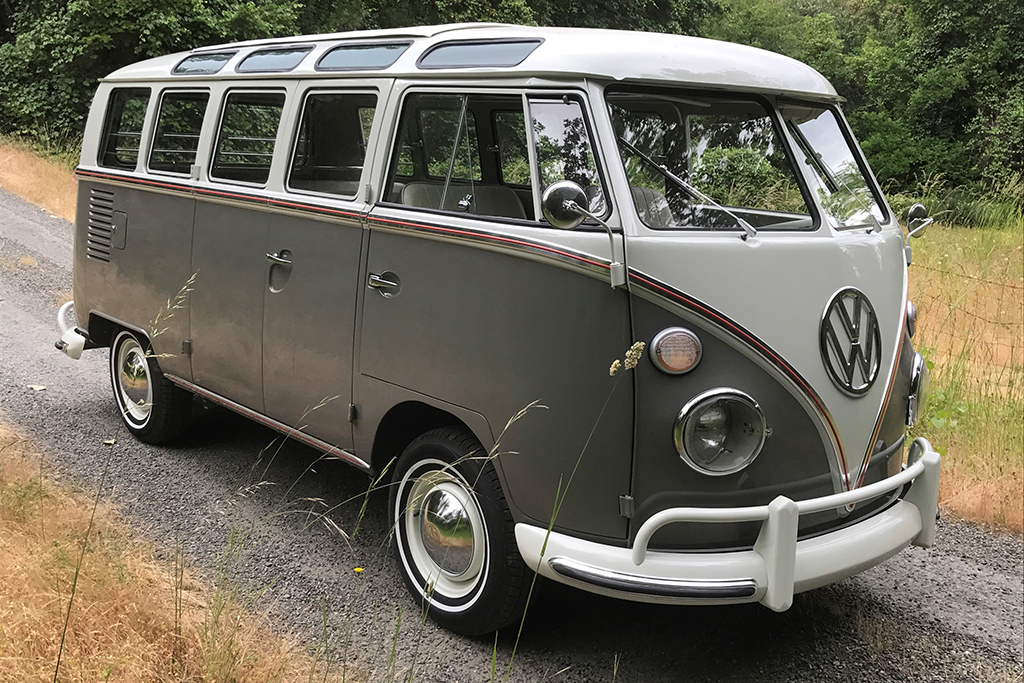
pixel 279 260
pixel 381 282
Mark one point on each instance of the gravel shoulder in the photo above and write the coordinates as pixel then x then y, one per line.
pixel 238 498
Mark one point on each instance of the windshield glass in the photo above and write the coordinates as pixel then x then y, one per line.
pixel 681 150
pixel 838 180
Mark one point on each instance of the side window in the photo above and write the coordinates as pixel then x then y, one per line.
pixel 448 156
pixel 441 132
pixel 564 150
pixel 331 146
pixel 122 128
pixel 177 131
pixel 510 131
pixel 245 142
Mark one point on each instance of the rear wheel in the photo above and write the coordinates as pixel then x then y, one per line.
pixel 455 538
pixel 153 408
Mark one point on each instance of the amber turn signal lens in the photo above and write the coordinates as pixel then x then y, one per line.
pixel 676 350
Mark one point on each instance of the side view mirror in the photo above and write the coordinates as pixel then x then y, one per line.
pixel 918 220
pixel 562 204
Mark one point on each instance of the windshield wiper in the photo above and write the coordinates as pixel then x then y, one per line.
pixel 748 229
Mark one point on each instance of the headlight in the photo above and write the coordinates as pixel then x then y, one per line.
pixel 676 350
pixel 720 432
pixel 918 389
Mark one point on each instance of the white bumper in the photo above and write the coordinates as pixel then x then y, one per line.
pixel 778 565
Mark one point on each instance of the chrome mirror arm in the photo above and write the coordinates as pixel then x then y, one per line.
pixel 618 268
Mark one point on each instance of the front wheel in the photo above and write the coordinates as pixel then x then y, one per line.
pixel 153 408
pixel 455 537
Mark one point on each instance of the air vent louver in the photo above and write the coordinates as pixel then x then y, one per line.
pixel 101 213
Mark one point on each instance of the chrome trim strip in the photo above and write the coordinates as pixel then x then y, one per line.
pixel 296 434
pixel 647 585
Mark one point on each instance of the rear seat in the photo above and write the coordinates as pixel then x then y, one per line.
pixel 485 200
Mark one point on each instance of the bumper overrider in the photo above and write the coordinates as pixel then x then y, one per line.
pixel 773 570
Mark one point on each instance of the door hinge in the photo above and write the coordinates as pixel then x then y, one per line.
pixel 353 412
pixel 626 506
pixel 186 347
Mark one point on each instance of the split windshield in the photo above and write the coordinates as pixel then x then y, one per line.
pixel 702 162
pixel 838 180
pixel 708 162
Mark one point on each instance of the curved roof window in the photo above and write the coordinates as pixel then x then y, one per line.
pixel 361 57
pixel 275 59
pixel 208 63
pixel 468 54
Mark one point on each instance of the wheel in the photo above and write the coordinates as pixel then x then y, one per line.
pixel 454 535
pixel 153 408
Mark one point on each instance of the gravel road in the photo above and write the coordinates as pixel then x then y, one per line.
pixel 952 613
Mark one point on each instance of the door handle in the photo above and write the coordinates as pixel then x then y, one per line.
pixel 279 259
pixel 387 283
pixel 382 281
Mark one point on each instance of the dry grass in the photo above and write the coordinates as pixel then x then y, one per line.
pixel 968 285
pixel 123 624
pixel 48 183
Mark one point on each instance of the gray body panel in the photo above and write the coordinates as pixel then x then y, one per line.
pixel 139 283
pixel 308 326
pixel 230 263
pixel 495 332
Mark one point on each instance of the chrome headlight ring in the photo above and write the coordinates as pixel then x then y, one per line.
pixel 720 432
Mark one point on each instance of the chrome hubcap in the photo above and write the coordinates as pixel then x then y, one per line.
pixel 447 532
pixel 447 539
pixel 134 382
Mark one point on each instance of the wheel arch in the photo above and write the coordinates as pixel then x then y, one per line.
pixel 103 330
pixel 407 420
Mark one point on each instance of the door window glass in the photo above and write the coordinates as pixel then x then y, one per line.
pixel 126 113
pixel 248 129
pixel 510 131
pixel 448 156
pixel 177 131
pixel 331 148
pixel 564 150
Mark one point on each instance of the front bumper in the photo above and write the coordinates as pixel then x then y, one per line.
pixel 778 565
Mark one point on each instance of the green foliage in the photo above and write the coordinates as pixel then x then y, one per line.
pixel 934 87
pixel 60 48
pixel 741 176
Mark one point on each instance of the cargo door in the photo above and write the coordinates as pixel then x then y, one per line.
pixel 229 249
pixel 313 268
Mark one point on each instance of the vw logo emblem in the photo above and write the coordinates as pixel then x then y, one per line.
pixel 851 344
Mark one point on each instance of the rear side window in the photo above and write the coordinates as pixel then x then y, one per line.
pixel 245 142
pixel 122 128
pixel 177 131
pixel 331 147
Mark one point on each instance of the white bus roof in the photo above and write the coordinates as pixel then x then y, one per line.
pixel 563 52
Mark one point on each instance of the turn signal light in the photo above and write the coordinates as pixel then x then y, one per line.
pixel 676 350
